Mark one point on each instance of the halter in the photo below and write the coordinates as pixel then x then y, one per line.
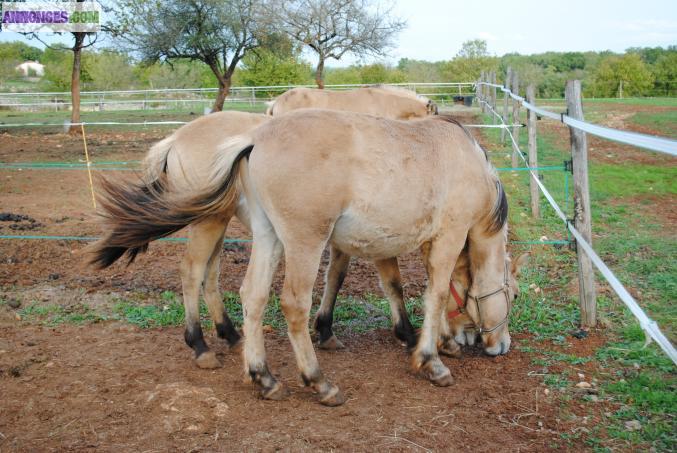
pixel 460 302
pixel 506 290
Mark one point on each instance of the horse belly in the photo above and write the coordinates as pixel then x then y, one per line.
pixel 369 237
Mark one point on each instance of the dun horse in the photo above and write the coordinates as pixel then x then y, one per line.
pixel 382 100
pixel 183 159
pixel 370 187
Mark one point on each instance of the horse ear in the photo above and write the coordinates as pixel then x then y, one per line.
pixel 516 265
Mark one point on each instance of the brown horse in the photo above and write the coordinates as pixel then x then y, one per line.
pixel 381 100
pixel 371 187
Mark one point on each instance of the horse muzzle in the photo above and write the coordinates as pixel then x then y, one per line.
pixel 499 347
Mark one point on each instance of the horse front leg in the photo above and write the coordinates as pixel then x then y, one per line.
pixel 439 257
pixel 391 283
pixel 333 280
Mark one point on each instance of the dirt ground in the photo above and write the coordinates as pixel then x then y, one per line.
pixel 113 387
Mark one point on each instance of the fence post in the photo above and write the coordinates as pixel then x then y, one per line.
pixel 533 154
pixel 582 214
pixel 493 94
pixel 482 108
pixel 506 84
pixel 515 118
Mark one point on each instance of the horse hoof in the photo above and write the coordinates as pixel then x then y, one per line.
pixel 449 348
pixel 331 344
pixel 443 380
pixel 207 361
pixel 276 393
pixel 449 352
pixel 435 371
pixel 333 398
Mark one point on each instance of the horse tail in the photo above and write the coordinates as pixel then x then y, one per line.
pixel 138 213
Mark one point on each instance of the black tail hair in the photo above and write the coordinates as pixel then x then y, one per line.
pixel 138 213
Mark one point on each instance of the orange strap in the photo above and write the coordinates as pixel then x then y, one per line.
pixel 460 303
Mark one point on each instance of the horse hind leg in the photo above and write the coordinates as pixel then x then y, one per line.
pixel 212 294
pixel 324 318
pixel 266 252
pixel 301 265
pixel 202 238
pixel 391 283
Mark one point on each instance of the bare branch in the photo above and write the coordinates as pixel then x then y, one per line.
pixel 334 28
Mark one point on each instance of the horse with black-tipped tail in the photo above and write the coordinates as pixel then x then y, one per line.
pixel 370 187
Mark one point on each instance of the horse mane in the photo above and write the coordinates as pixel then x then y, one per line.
pixel 397 90
pixel 450 119
pixel 401 91
pixel 499 213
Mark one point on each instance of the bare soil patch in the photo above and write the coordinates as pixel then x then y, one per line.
pixel 111 387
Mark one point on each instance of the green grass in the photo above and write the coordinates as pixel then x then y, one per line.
pixel 664 122
pixel 658 101
pixel 634 243
pixel 53 315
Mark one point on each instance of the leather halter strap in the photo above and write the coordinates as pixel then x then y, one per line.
pixel 460 302
pixel 505 289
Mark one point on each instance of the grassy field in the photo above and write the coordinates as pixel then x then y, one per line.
pixel 630 234
pixel 639 245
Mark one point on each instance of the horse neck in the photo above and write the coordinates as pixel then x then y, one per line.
pixel 488 258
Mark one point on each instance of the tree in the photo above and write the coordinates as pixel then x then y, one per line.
pixel 474 49
pixel 625 75
pixel 665 71
pixel 470 61
pixel 81 40
pixel 218 33
pixel 334 28
pixel 276 62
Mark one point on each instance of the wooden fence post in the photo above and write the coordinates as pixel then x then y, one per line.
pixel 533 154
pixel 515 119
pixel 582 214
pixel 506 84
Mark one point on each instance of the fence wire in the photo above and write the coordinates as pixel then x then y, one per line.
pixel 648 325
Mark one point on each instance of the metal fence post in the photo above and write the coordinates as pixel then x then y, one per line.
pixel 533 154
pixel 515 119
pixel 582 214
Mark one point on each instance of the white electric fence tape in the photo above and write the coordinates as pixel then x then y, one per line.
pixel 647 324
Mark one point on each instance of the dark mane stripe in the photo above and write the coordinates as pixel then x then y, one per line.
pixel 450 119
pixel 499 214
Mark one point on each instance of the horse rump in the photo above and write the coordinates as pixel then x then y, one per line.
pixel 137 213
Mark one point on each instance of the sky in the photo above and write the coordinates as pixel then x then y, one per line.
pixel 437 28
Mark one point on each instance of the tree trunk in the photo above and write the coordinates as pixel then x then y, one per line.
pixel 319 74
pixel 224 89
pixel 75 85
